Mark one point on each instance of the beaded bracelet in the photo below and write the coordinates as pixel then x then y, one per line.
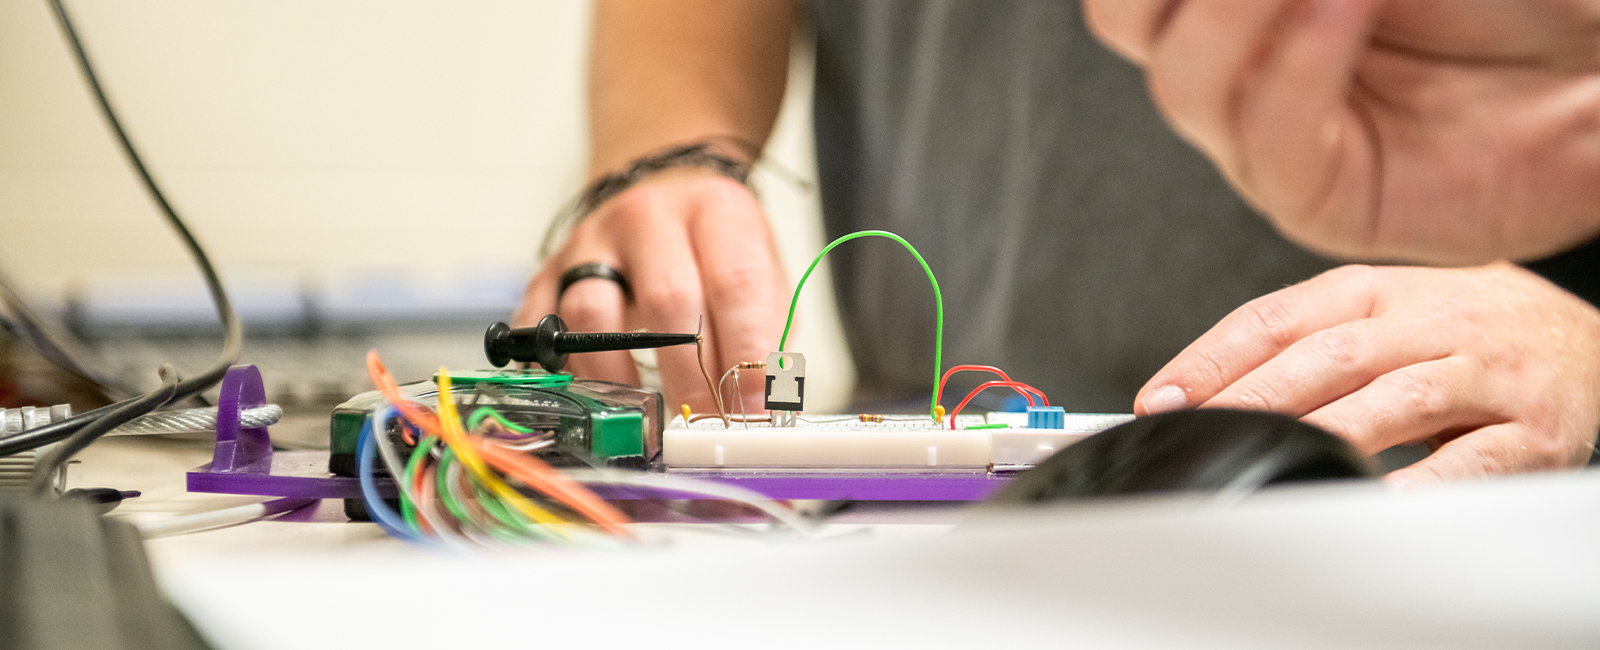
pixel 701 153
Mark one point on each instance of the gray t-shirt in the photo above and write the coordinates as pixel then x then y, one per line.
pixel 1078 242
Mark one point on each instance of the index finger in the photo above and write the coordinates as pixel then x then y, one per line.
pixel 742 280
pixel 540 296
pixel 1254 334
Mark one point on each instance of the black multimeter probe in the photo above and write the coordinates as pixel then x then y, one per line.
pixel 549 342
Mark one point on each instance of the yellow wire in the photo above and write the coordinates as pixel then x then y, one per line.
pixel 456 437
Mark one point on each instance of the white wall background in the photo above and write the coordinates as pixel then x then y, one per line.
pixel 315 138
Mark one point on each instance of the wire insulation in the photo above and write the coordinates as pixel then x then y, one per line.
pixel 938 300
pixel 1026 390
pixel 233 338
pixel 125 412
pixel 185 524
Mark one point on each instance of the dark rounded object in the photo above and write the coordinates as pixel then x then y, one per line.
pixel 503 345
pixel 496 344
pixel 545 335
pixel 1204 450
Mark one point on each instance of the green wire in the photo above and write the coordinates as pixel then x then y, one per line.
pixel 408 509
pixel 486 412
pixel 938 300
pixel 512 519
pixel 447 492
pixel 491 503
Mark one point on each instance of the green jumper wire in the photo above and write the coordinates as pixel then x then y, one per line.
pixel 938 300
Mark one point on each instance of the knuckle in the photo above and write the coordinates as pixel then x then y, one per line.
pixel 721 189
pixel 734 282
pixel 636 206
pixel 1341 351
pixel 1431 473
pixel 1547 445
pixel 643 198
pixel 1257 397
pixel 1425 397
pixel 1273 318
pixel 669 298
pixel 582 306
pixel 1207 367
pixel 1493 460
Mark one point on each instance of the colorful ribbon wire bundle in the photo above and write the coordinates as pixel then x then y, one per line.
pixel 474 481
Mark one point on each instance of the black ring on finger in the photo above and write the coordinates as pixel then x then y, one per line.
pixel 593 270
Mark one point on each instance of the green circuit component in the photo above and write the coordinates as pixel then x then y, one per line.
pixel 589 421
pixel 509 377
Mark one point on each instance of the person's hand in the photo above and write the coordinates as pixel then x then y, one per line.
pixel 1446 131
pixel 1497 369
pixel 691 244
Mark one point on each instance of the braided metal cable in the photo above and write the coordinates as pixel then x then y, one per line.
pixel 197 420
pixel 200 420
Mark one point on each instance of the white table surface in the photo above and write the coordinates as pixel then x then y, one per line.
pixel 1496 564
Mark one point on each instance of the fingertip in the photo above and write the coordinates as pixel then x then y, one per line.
pixel 1417 475
pixel 1163 399
pixel 1409 478
pixel 525 315
pixel 538 299
pixel 1398 481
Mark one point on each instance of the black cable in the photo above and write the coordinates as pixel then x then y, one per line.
pixel 58 348
pixel 125 412
pixel 233 339
pixel 53 432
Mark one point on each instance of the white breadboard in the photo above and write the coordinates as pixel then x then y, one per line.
pixel 899 442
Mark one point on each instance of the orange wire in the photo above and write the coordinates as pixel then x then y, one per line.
pixel 531 471
pixel 1019 386
pixel 540 476
pixel 415 413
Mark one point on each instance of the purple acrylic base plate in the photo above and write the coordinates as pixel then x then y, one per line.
pixel 244 463
pixel 305 474
pixel 283 474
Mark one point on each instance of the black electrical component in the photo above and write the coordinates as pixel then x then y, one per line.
pixel 73 580
pixel 549 342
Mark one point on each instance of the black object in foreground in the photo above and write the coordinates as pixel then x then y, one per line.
pixel 1205 450
pixel 549 342
pixel 72 580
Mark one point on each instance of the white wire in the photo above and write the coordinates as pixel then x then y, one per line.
pixel 527 446
pixel 721 491
pixel 743 414
pixel 739 392
pixel 391 461
pixel 474 527
pixel 731 371
pixel 184 524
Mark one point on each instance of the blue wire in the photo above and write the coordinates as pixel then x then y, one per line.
pixel 381 513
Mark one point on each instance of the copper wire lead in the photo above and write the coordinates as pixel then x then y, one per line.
pixel 700 355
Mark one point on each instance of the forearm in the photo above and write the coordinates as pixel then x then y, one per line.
pixel 663 72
